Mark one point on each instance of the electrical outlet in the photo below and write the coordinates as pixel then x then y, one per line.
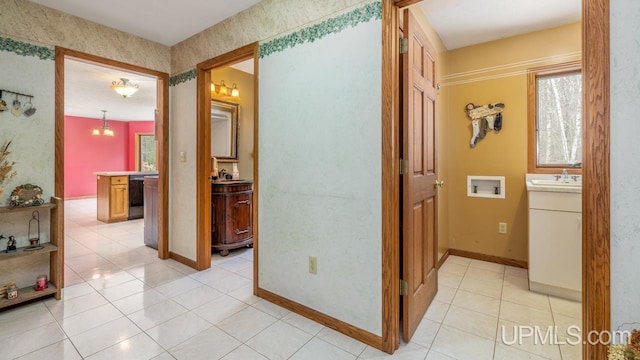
pixel 313 265
pixel 502 228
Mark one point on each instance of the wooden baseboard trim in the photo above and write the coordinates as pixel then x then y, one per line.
pixel 490 258
pixel 326 320
pixel 183 260
pixel 80 197
pixel 443 259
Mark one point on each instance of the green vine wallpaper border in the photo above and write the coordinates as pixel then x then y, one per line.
pixel 26 49
pixel 366 13
pixel 182 77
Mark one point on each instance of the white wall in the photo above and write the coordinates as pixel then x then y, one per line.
pixel 625 163
pixel 33 151
pixel 319 172
pixel 32 137
pixel 182 175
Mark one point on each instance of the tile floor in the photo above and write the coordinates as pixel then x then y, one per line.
pixel 122 302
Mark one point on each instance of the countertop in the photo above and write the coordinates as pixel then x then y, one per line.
pixel 231 182
pixel 549 187
pixel 125 173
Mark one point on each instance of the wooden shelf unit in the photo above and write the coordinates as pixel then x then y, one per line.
pixel 21 251
pixel 29 293
pixel 55 249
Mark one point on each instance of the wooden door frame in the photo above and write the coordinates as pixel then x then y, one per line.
pixel 391 152
pixel 137 136
pixel 162 104
pixel 596 207
pixel 203 156
pixel 596 211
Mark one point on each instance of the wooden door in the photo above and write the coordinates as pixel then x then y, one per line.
pixel 419 206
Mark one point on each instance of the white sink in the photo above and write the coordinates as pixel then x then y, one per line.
pixel 557 183
pixel 538 182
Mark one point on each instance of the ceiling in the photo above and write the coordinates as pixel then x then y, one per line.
pixel 458 22
pixel 165 22
pixel 467 22
pixel 87 91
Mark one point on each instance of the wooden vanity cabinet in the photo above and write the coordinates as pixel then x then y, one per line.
pixel 231 215
pixel 113 198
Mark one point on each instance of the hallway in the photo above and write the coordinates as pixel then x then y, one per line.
pixel 122 302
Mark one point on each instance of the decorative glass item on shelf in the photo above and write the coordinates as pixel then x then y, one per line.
pixel 12 290
pixel 26 195
pixel 34 239
pixel 41 283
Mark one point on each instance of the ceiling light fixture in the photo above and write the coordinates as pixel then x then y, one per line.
pixel 224 91
pixel 106 130
pixel 124 88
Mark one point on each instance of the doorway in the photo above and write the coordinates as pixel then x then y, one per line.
pixel 596 214
pixel 161 129
pixel 206 85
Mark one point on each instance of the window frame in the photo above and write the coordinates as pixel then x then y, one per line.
pixel 532 95
pixel 138 144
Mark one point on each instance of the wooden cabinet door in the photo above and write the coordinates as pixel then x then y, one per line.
pixel 241 217
pixel 119 201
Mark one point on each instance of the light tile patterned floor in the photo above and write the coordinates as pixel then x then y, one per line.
pixel 122 302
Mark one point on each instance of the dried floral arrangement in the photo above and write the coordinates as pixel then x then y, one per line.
pixel 631 351
pixel 6 166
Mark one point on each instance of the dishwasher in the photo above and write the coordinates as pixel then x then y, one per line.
pixel 136 197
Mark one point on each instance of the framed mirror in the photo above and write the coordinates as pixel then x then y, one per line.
pixel 224 130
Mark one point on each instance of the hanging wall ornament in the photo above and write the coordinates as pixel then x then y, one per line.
pixel 483 119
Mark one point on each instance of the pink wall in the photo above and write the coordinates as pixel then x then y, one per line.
pixel 136 127
pixel 85 154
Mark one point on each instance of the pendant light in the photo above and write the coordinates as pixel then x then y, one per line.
pixel 124 88
pixel 106 130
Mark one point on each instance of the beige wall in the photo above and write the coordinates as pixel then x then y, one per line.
pixel 442 101
pixel 245 119
pixel 484 73
pixel 30 22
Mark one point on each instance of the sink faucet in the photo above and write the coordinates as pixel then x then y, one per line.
pixel 222 173
pixel 565 175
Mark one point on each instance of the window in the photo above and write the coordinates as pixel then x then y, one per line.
pixel 555 118
pixel 146 152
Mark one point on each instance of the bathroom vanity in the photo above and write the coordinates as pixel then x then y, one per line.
pixel 231 215
pixel 555 237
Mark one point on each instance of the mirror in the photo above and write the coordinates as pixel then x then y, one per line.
pixel 224 130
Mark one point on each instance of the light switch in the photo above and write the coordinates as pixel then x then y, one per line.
pixel 183 156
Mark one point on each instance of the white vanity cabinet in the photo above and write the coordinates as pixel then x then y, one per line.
pixel 555 243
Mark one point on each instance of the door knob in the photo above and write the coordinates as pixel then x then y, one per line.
pixel 438 184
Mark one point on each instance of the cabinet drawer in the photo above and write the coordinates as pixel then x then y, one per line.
pixel 119 180
pixel 558 201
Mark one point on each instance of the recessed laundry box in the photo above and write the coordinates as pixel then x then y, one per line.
pixel 486 186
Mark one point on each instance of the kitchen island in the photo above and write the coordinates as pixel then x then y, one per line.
pixel 120 195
